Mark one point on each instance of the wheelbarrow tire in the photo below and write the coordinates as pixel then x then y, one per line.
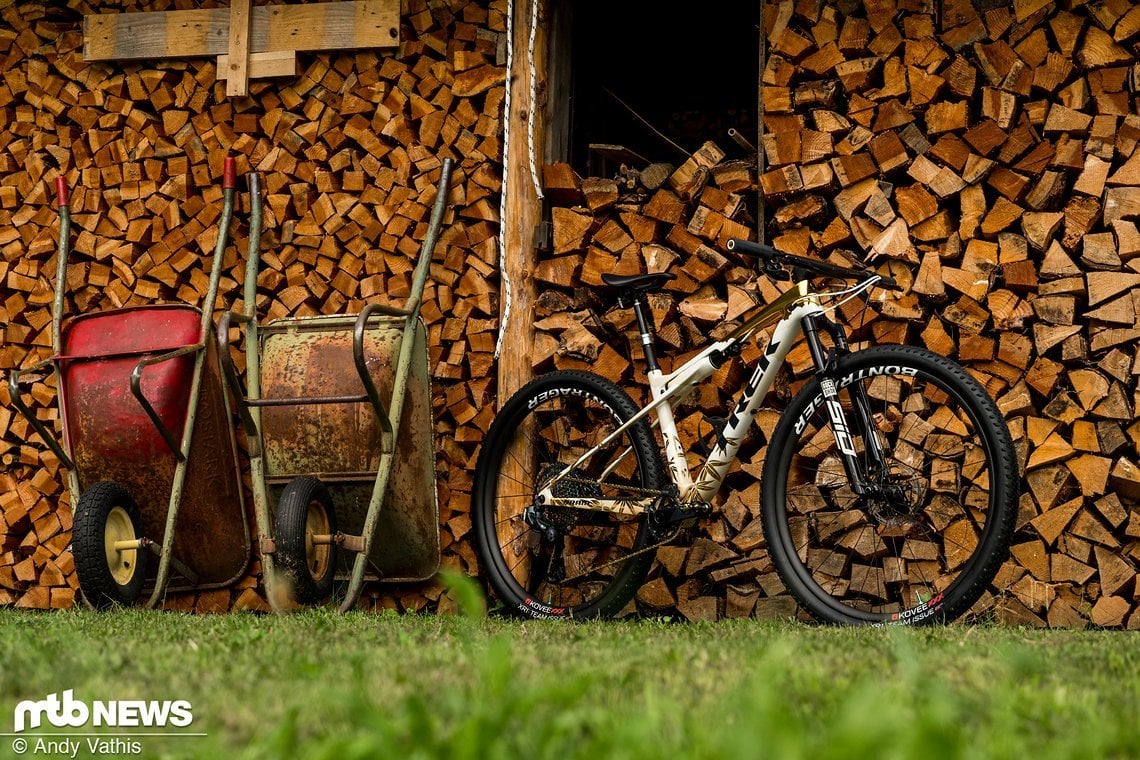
pixel 106 513
pixel 309 569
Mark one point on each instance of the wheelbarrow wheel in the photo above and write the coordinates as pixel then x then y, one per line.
pixel 305 511
pixel 106 515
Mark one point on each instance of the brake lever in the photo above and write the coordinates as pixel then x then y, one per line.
pixel 776 271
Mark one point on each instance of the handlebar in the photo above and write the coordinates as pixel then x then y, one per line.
pixel 824 268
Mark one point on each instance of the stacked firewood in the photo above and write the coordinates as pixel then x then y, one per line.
pixel 349 152
pixel 987 155
pixel 984 156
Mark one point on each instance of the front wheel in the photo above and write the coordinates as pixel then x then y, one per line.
pixel 924 540
pixel 305 554
pixel 556 561
pixel 109 562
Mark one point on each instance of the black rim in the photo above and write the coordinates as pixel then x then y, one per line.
pixel 912 549
pixel 590 555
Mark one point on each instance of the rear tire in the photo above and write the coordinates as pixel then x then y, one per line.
pixel 551 422
pixel 309 569
pixel 106 513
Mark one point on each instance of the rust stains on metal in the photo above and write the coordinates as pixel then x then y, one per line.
pixel 340 443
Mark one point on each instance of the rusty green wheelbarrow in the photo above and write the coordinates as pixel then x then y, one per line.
pixel 353 477
pixel 147 442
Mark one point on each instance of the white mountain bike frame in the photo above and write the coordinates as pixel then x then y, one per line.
pixel 790 312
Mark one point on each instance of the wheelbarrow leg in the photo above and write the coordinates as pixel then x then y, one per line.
pixel 167 552
pixel 371 520
pixel 265 533
pixel 204 332
pixel 390 430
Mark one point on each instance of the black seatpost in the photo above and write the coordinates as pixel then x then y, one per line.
pixel 645 327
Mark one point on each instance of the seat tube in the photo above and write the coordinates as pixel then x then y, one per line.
pixel 839 427
pixel 645 328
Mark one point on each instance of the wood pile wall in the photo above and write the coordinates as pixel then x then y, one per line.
pixel 983 154
pixel 349 152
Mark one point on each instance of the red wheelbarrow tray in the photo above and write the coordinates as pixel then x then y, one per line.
pixel 111 437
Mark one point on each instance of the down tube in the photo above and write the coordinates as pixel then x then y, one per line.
pixel 785 334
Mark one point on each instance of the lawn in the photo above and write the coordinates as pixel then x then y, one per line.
pixel 318 685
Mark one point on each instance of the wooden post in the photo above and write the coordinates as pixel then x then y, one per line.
pixel 522 213
pixel 523 209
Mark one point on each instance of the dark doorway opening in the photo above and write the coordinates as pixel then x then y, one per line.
pixel 690 70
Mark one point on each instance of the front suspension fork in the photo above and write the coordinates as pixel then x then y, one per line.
pixel 826 363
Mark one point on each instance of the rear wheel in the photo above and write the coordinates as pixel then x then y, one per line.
pixel 561 562
pixel 109 571
pixel 924 541
pixel 308 566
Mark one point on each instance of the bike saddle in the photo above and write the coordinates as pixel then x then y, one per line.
pixel 638 282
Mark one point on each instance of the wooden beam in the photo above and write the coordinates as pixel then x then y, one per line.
pixel 523 209
pixel 282 63
pixel 189 33
pixel 237 65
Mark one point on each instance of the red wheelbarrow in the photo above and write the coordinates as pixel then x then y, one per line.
pixel 146 423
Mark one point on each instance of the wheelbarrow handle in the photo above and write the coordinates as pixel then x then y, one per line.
pixel 366 376
pixel 37 424
pixel 62 192
pixel 229 173
pixel 423 262
pixel 136 389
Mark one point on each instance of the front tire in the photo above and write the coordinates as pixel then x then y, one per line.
pixel 926 548
pixel 598 559
pixel 308 569
pixel 105 515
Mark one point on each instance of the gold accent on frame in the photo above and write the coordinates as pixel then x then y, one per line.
pixel 775 311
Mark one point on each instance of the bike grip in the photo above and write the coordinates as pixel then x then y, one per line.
pixel 229 174
pixel 62 192
pixel 748 247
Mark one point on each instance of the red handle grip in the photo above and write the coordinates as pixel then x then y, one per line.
pixel 62 193
pixel 229 174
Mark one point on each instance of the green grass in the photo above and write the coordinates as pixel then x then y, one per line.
pixel 317 685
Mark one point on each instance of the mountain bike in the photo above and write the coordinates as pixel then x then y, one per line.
pixel 889 487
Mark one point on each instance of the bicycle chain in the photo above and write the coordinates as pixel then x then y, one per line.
pixel 652 547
